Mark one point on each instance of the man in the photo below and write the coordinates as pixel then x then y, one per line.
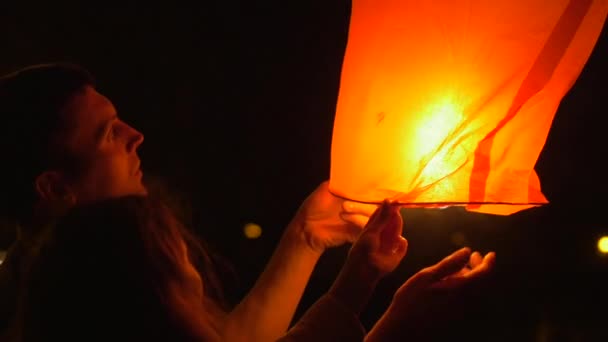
pixel 64 145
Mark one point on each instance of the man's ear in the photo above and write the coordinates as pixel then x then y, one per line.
pixel 52 187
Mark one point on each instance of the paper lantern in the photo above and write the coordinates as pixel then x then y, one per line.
pixel 449 102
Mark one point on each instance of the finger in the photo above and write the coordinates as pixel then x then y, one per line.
pixel 458 281
pixel 475 259
pixel 355 219
pixel 460 273
pixel 485 267
pixel 449 265
pixel 379 219
pixel 375 215
pixel 451 283
pixel 490 260
pixel 390 235
pixel 400 248
pixel 352 207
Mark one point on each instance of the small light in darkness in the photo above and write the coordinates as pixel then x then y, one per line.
pixel 252 230
pixel 602 244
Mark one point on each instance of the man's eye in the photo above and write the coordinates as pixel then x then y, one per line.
pixel 112 133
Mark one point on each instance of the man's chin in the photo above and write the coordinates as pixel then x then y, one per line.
pixel 142 190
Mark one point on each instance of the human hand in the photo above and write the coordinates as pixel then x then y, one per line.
pixel 380 247
pixel 426 295
pixel 454 271
pixel 378 251
pixel 326 221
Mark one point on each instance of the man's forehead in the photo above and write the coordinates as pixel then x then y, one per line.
pixel 85 116
pixel 89 108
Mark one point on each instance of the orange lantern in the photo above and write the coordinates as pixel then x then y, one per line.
pixel 449 102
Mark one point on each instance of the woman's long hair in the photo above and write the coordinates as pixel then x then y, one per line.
pixel 120 269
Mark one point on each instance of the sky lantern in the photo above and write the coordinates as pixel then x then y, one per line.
pixel 449 102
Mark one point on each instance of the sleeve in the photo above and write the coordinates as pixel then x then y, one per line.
pixel 326 320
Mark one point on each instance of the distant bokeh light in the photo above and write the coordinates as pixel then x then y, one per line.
pixel 602 245
pixel 252 230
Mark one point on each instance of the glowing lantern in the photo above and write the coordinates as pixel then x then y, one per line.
pixel 449 102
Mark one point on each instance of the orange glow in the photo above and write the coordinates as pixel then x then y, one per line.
pixel 252 230
pixel 450 102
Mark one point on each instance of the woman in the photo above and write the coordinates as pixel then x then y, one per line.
pixel 121 269
pixel 126 269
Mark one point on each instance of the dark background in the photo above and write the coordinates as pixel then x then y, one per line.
pixel 236 101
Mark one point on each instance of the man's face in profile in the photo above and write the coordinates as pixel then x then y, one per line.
pixel 105 146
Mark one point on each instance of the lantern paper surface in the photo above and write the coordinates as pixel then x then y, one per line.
pixel 449 102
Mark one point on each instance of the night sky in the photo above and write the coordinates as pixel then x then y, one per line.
pixel 236 102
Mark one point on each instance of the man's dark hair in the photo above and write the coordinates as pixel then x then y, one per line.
pixel 32 105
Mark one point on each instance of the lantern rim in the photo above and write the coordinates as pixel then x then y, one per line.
pixel 437 203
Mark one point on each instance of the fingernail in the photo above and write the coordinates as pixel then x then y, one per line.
pixel 384 210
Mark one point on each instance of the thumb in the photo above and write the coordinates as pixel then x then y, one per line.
pixel 377 222
pixel 390 236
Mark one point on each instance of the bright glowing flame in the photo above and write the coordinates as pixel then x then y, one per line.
pixel 252 230
pixel 602 244
pixel 436 128
pixel 436 124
